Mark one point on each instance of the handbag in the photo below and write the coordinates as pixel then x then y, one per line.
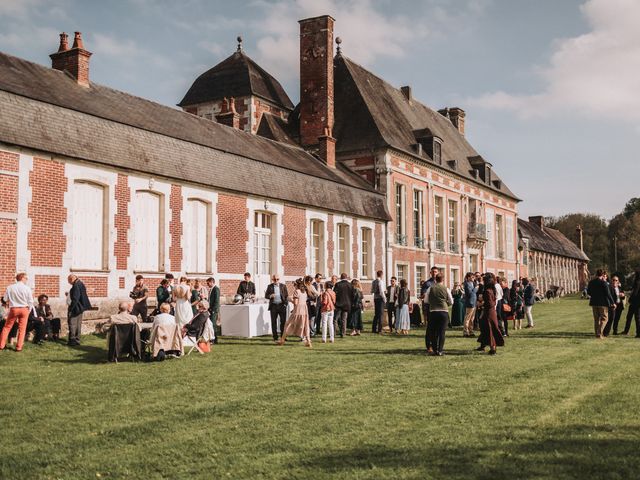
pixel 506 307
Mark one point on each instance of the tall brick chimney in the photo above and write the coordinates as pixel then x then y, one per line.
pixel 75 61
pixel 580 237
pixel 316 85
pixel 456 115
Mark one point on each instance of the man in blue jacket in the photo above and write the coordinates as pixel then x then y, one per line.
pixel 78 304
pixel 470 300
pixel 600 300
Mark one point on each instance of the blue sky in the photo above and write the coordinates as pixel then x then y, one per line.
pixel 551 88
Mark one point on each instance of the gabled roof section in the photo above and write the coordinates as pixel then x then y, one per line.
pixel 110 127
pixel 236 76
pixel 549 240
pixel 371 113
pixel 275 128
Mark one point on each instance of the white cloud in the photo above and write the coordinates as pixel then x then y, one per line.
pixel 366 32
pixel 126 50
pixel 596 74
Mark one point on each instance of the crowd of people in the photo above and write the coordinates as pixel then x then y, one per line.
pixel 326 308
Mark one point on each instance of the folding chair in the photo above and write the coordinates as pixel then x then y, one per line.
pixel 192 340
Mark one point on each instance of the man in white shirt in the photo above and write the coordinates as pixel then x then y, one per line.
pixel 20 300
pixel 164 317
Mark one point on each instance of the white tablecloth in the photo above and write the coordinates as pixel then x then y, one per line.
pixel 247 320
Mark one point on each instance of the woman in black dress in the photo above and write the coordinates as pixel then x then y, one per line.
pixel 489 331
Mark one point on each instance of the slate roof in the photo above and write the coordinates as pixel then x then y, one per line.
pixel 46 110
pixel 275 128
pixel 236 76
pixel 549 240
pixel 370 113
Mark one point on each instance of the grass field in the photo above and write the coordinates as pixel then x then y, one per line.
pixel 554 403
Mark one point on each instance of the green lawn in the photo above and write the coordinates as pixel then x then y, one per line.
pixel 554 403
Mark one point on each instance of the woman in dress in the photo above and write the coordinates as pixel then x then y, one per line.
pixel 184 311
pixel 489 331
pixel 517 304
pixel 195 295
pixel 403 321
pixel 356 308
pixel 458 309
pixel 298 322
pixel 312 299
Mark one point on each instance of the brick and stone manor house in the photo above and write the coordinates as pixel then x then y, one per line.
pixel 359 176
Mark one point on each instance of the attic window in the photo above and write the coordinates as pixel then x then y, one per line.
pixel 497 184
pixel 453 164
pixel 437 151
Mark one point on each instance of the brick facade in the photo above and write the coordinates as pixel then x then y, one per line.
pixel 233 235
pixel 122 221
pixel 8 249
pixel 47 212
pixel 47 284
pixel 175 228
pixel 294 240
pixel 96 286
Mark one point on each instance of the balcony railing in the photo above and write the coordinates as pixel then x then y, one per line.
pixel 454 247
pixel 401 239
pixel 439 245
pixel 477 231
pixel 420 242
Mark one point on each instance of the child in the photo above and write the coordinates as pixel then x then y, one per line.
pixel 328 299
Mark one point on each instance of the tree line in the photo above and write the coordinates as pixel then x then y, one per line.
pixel 613 245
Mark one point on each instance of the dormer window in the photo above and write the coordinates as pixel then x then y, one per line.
pixel 437 151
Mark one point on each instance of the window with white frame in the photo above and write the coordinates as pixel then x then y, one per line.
pixel 455 276
pixel 452 211
pixel 317 246
pixel 343 248
pixel 198 236
pixel 437 152
pixel 418 228
pixel 439 223
pixel 402 271
pixel 400 211
pixel 490 233
pixel 499 236
pixel 149 231
pixel 366 264
pixel 421 274
pixel 262 243
pixel 511 252
pixel 88 236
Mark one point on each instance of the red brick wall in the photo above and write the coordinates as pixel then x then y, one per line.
pixel 9 196
pixel 96 286
pixel 46 240
pixel 8 248
pixel 175 228
pixel 233 236
pixel 379 250
pixel 47 284
pixel 294 239
pixel 330 245
pixel 9 161
pixel 122 221
pixel 228 287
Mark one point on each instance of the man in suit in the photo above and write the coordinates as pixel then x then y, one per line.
pixel 78 304
pixel 377 290
pixel 600 301
pixel 470 298
pixel 278 297
pixel 344 293
pixel 214 307
pixel 426 285
pixel 247 287
pixel 392 299
pixel 319 286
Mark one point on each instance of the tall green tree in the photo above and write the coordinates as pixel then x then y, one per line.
pixel 595 235
pixel 624 232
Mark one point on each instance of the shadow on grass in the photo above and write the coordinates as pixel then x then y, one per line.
pixel 575 451
pixel 419 352
pixel 88 354
pixel 555 335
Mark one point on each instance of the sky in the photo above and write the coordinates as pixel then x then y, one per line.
pixel 551 87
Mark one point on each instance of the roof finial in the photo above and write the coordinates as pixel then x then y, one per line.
pixel 239 39
pixel 338 42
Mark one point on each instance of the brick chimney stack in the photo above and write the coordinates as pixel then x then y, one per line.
pixel 456 115
pixel 580 238
pixel 74 61
pixel 316 86
pixel 538 221
pixel 228 115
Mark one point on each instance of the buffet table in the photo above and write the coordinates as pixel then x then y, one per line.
pixel 246 320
